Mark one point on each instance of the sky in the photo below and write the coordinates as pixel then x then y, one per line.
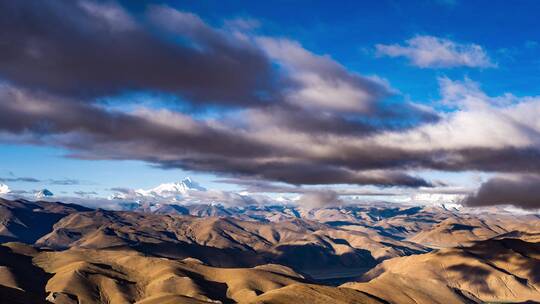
pixel 415 101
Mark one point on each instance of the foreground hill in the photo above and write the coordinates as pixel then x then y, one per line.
pixel 120 276
pixel 498 270
pixel 125 276
pixel 21 282
pixel 493 271
pixel 316 294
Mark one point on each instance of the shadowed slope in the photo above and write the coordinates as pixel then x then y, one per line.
pixel 226 242
pixel 20 280
pixel 27 221
pixel 105 276
pixel 505 270
pixel 315 294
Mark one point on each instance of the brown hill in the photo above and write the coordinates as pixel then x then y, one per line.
pixel 463 230
pixel 26 221
pixel 20 280
pixel 315 294
pixel 126 276
pixel 226 242
pixel 457 232
pixel 120 276
pixel 506 270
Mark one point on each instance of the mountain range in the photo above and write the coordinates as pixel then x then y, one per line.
pixel 208 253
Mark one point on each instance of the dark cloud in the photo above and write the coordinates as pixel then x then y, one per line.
pixel 19 179
pixel 21 192
pixel 319 199
pixel 122 190
pixel 85 193
pixel 64 182
pixel 42 114
pixel 91 49
pixel 506 159
pixel 298 172
pixel 175 140
pixel 519 190
pixel 187 143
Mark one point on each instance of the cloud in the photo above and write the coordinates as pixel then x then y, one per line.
pixel 319 199
pixel 434 52
pixel 262 146
pixel 12 179
pixel 522 191
pixel 497 134
pixel 277 149
pixel 167 50
pixel 262 186
pixel 64 182
pixel 242 24
pixel 305 119
pixel 186 194
pixel 172 139
pixel 85 193
pixel 163 50
pixel 320 82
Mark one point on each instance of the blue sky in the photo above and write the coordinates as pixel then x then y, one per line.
pixel 348 31
pixel 486 51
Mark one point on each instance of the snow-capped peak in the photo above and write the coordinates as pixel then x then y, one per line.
pixel 172 189
pixel 44 194
pixel 4 189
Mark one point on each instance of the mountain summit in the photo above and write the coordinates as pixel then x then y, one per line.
pixel 172 189
pixel 4 189
pixel 168 191
pixel 44 194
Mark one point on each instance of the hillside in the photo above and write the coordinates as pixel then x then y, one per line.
pixel 502 270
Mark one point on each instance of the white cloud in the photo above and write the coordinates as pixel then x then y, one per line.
pixel 434 52
pixel 188 192
pixel 479 121
pixel 113 15
pixel 321 82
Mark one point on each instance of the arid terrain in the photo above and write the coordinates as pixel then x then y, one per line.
pixel 62 253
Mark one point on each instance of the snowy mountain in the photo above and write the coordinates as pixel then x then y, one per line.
pixel 4 189
pixel 452 206
pixel 44 194
pixel 170 190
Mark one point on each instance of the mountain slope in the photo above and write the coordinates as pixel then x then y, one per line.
pixel 503 270
pixel 120 276
pixel 315 294
pixel 27 221
pixel 226 242
pixel 20 280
